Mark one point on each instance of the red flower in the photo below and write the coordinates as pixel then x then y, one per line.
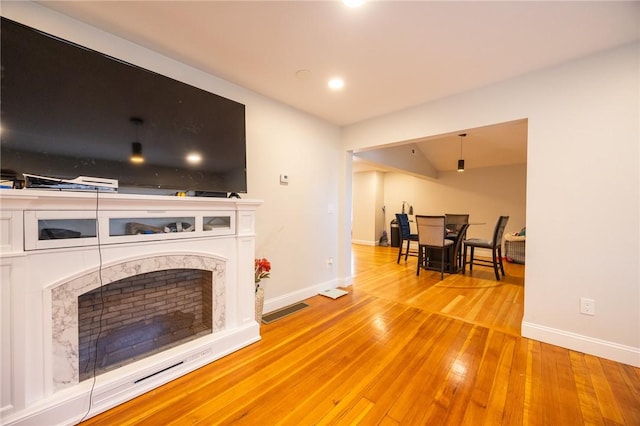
pixel 262 269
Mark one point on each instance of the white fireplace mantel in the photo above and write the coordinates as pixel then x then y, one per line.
pixel 39 348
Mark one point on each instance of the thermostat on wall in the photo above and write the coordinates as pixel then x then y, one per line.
pixel 284 179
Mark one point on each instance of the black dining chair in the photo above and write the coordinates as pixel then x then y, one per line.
pixel 495 245
pixel 454 223
pixel 405 235
pixel 432 238
pixel 456 252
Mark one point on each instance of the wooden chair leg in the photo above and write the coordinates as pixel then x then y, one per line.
pixel 500 259
pixel 400 251
pixel 406 255
pixel 419 260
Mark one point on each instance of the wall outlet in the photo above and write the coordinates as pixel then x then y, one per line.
pixel 329 262
pixel 587 306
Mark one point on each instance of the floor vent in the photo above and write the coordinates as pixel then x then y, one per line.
pixel 281 313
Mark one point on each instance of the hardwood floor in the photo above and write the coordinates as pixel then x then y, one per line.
pixel 398 350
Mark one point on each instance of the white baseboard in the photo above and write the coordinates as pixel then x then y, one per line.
pixel 345 281
pixel 365 242
pixel 275 303
pixel 577 342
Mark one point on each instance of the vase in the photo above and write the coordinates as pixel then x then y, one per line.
pixel 259 304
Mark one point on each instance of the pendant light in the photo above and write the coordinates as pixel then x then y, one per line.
pixel 461 160
pixel 136 147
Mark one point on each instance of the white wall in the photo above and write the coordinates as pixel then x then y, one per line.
pixel 368 193
pixel 583 190
pixel 297 224
pixel 364 195
pixel 368 201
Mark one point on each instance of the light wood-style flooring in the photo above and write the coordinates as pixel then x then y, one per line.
pixel 398 350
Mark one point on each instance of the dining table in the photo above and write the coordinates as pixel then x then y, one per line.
pixel 451 235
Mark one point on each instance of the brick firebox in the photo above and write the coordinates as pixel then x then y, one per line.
pixel 138 316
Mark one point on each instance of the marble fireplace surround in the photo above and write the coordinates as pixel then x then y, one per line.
pixel 41 282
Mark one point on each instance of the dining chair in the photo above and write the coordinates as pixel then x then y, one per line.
pixel 431 238
pixel 458 241
pixel 405 235
pixel 495 245
pixel 454 222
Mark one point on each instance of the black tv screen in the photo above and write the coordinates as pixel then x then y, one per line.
pixel 69 111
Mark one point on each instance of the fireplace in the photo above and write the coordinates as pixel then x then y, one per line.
pixel 91 322
pixel 92 313
pixel 138 316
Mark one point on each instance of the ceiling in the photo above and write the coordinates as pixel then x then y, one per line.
pixel 499 144
pixel 392 54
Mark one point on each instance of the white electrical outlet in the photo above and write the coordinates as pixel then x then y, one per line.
pixel 587 306
pixel 329 262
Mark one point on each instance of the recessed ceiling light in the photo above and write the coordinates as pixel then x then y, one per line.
pixel 194 158
pixel 353 3
pixel 336 84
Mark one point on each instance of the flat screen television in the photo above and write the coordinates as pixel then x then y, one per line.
pixel 69 111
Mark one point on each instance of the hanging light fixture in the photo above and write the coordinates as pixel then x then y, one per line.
pixel 136 147
pixel 461 160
